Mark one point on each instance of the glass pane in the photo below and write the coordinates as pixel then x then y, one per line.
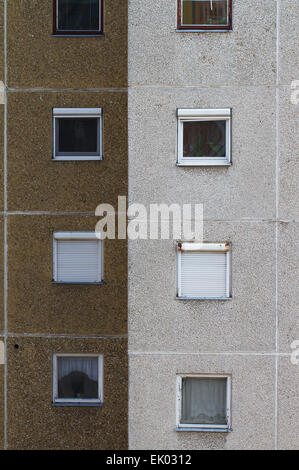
pixel 204 12
pixel 204 400
pixel 77 135
pixel 78 15
pixel 77 377
pixel 204 139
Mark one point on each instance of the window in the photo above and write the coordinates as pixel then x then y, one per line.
pixel 77 379
pixel 77 133
pixel 204 271
pixel 77 258
pixel 204 403
pixel 78 17
pixel 204 137
pixel 202 15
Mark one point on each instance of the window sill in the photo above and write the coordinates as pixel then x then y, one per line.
pixel 203 298
pixel 67 35
pixel 77 404
pixel 78 283
pixel 226 430
pixel 76 159
pixel 203 30
pixel 204 164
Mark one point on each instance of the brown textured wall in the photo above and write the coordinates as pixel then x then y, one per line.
pixel 1 274
pixel 34 423
pixel 36 182
pixel 1 404
pixel 36 59
pixel 60 62
pixel 1 227
pixel 1 40
pixel 37 305
pixel 1 155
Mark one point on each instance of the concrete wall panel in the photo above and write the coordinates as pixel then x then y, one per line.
pixel 153 399
pixel 1 274
pixel 288 41
pixel 288 317
pixel 2 41
pixel 288 154
pixel 246 189
pixel 159 322
pixel 64 62
pixel 288 398
pixel 160 55
pixel 36 305
pixel 34 423
pixel 36 182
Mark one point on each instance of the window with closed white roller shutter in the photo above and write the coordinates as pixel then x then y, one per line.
pixel 77 260
pixel 204 274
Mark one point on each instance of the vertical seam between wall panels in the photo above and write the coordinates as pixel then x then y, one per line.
pixel 276 223
pixel 5 224
pixel 128 241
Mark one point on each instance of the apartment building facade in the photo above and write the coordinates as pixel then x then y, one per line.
pixel 210 331
pixel 64 291
pixel 165 102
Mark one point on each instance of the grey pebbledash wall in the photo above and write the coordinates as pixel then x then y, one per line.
pixel 251 204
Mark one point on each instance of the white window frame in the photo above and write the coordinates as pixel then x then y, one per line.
pixel 199 25
pixel 203 427
pixel 76 30
pixel 78 401
pixel 78 113
pixel 196 115
pixel 77 236
pixel 207 247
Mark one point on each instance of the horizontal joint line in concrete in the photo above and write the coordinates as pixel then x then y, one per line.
pixel 64 335
pixel 67 90
pixel 45 213
pixel 211 219
pixel 237 353
pixel 212 87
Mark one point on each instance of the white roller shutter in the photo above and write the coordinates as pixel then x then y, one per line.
pixel 78 261
pixel 203 274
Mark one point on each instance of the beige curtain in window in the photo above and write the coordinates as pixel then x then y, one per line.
pixel 204 400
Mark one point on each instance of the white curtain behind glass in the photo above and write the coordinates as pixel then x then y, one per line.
pixel 86 365
pixel 203 400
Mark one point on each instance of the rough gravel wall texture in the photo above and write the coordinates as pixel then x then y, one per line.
pixel 36 305
pixel 44 196
pixel 36 182
pixel 252 204
pixel 34 423
pixel 64 62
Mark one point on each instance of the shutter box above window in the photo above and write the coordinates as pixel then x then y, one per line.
pixel 204 271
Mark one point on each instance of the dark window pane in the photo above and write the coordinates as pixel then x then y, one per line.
pixel 204 400
pixel 77 135
pixel 204 12
pixel 205 139
pixel 77 377
pixel 78 15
